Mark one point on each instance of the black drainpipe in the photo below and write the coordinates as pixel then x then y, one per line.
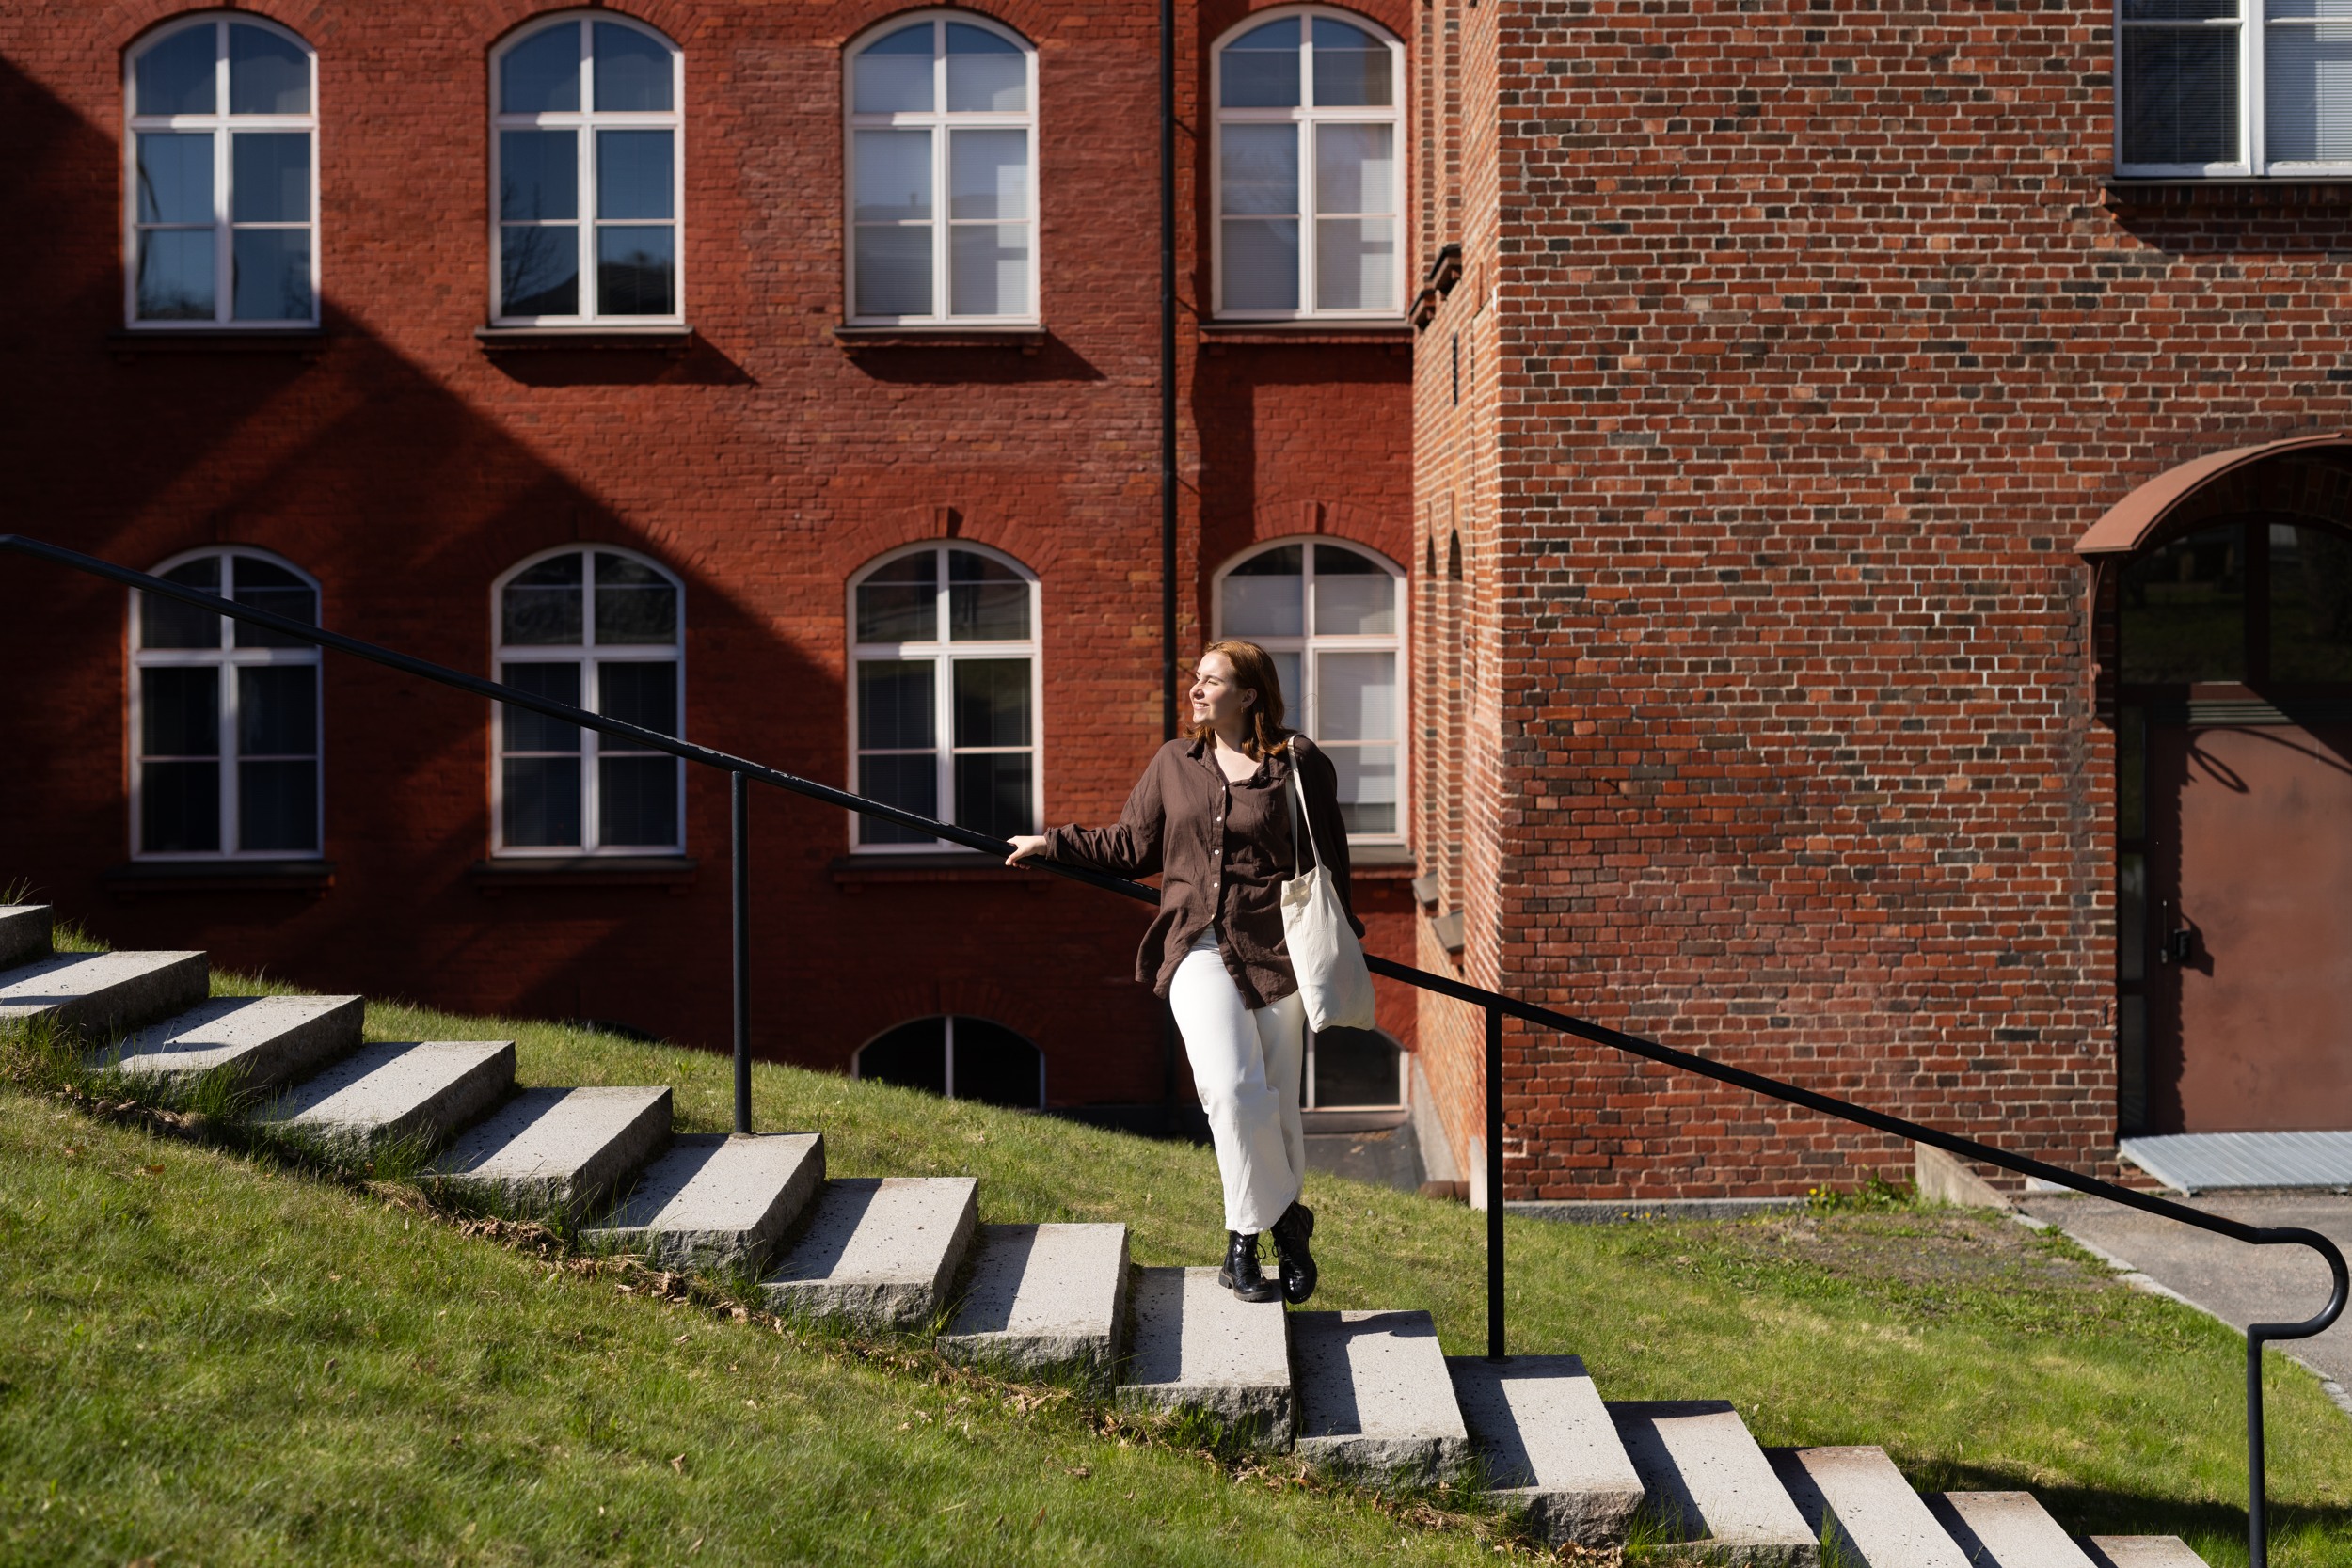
pixel 1167 460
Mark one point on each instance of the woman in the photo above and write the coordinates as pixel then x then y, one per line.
pixel 1212 815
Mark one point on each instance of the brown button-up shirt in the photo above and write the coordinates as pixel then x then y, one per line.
pixel 1223 851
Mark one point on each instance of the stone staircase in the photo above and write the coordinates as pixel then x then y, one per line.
pixel 1371 1392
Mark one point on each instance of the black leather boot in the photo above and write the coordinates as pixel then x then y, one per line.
pixel 1241 1274
pixel 1295 1265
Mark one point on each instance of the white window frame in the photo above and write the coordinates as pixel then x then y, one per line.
pixel 1309 642
pixel 585 122
pixel 1307 118
pixel 2254 24
pixel 944 653
pixel 223 659
pixel 857 1059
pixel 220 124
pixel 938 122
pixel 591 656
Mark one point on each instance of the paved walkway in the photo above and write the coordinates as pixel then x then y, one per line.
pixel 2236 1283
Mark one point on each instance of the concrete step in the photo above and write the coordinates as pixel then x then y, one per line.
pixel 1857 1496
pixel 23 933
pixel 264 1041
pixel 877 1251
pixel 1375 1396
pixel 1043 1297
pixel 100 993
pixel 2141 1551
pixel 715 1201
pixel 414 1089
pixel 1539 1428
pixel 1704 1480
pixel 1196 1346
pixel 558 1149
pixel 2005 1530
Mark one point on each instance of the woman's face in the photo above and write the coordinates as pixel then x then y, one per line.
pixel 1216 698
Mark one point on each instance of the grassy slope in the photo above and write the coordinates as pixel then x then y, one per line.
pixel 227 1434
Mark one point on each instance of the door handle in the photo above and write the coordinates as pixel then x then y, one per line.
pixel 2178 945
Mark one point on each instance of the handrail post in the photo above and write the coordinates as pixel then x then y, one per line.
pixel 2257 1499
pixel 1494 1184
pixel 739 802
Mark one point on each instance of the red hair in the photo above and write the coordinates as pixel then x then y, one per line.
pixel 1262 733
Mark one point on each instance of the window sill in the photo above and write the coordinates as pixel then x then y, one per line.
pixel 492 877
pixel 1394 335
pixel 1425 891
pixel 1447 928
pixel 138 878
pixel 855 873
pixel 1394 861
pixel 665 337
pixel 129 343
pixel 2185 190
pixel 857 339
pixel 1350 1119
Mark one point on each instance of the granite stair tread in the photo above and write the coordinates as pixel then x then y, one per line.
pixel 2005 1530
pixel 1196 1346
pixel 1856 1496
pixel 2140 1551
pixel 25 933
pixel 560 1149
pixel 266 1040
pixel 1374 1395
pixel 1043 1297
pixel 715 1200
pixel 423 1089
pixel 877 1250
pixel 1704 1481
pixel 1545 1441
pixel 102 993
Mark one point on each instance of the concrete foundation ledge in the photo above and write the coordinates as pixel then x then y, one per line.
pixel 1593 1212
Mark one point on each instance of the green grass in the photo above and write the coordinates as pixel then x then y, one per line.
pixel 243 1362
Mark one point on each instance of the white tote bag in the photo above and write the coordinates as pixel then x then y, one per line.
pixel 1324 953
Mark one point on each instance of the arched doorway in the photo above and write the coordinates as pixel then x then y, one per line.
pixel 2225 591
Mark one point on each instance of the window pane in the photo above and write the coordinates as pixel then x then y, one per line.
pixel 541 605
pixel 169 624
pixel 527 731
pixel 992 702
pixel 1260 164
pixel 996 1067
pixel 895 705
pixel 1355 168
pixel 899 602
pixel 1264 597
pixel 913 1055
pixel 272 277
pixel 542 802
pixel 1356 1067
pixel 1356 696
pixel 2180 95
pixel 277 710
pixel 633 175
pixel 175 77
pixel 2131 1064
pixel 643 694
pixel 2183 611
pixel 988 269
pixel 992 793
pixel 985 71
pixel 2179 11
pixel 1260 68
pixel 986 599
pixel 894 271
pixel 893 75
pixel 1260 264
pixel 538 174
pixel 2311 603
pixel 637 801
pixel 1354 263
pixel 275 589
pixel 1294 694
pixel 636 270
pixel 268 74
pixel 179 712
pixel 176 275
pixel 540 269
pixel 175 177
pixel 633 69
pixel 179 807
pixel 269 178
pixel 987 174
pixel 2307 79
pixel 541 74
pixel 894 175
pixel 1367 787
pixel 1351 66
pixel 2131 772
pixel 2131 917
pixel 635 604
pixel 908 782
pixel 278 806
pixel 1354 597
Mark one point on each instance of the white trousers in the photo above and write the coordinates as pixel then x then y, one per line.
pixel 1246 1064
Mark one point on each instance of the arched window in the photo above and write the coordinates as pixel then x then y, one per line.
pixel 1332 614
pixel 586 165
pixel 224 715
pixel 602 629
pixel 942 160
pixel 1309 187
pixel 221 185
pixel 963 1058
pixel 944 693
pixel 1353 1070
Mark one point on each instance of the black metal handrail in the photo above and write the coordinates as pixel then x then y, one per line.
pixel 743 771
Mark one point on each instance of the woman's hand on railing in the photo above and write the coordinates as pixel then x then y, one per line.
pixel 1026 846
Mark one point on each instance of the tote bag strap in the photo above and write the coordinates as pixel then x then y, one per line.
pixel 1297 798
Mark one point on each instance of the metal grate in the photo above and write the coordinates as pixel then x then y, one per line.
pixel 2209 1161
